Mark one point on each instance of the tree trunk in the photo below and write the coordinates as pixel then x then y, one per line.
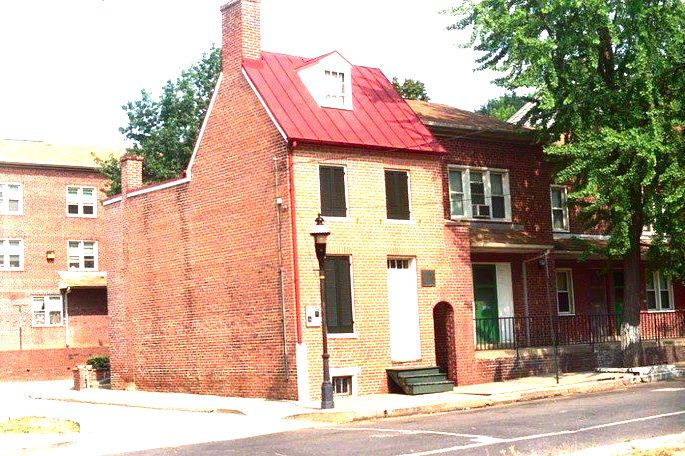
pixel 631 345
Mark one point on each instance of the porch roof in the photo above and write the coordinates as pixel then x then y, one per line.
pixel 73 279
pixel 484 239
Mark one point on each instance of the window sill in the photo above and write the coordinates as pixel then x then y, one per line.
pixel 48 326
pixel 661 310
pixel 342 335
pixel 12 270
pixel 482 220
pixel 561 231
pixel 565 314
pixel 399 221
pixel 82 216
pixel 330 218
pixel 11 213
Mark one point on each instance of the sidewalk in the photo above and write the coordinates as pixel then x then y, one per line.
pixel 207 418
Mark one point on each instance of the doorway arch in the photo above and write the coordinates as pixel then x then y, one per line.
pixel 444 337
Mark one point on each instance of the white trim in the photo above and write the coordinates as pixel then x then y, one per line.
pixel 352 335
pixel 189 169
pixel 588 237
pixel 46 312
pixel 302 367
pixel 487 190
pixel 571 294
pixel 5 202
pixel 564 208
pixel 656 277
pixel 80 201
pixel 6 252
pixel 261 100
pixel 81 253
pixel 353 372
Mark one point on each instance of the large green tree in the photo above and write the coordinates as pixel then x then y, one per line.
pixel 411 89
pixel 503 107
pixel 608 77
pixel 164 129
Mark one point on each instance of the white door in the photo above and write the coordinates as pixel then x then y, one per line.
pixel 505 302
pixel 403 310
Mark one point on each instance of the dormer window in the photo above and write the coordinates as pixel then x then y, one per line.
pixel 329 81
pixel 335 88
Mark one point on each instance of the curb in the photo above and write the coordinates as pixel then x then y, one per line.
pixel 503 399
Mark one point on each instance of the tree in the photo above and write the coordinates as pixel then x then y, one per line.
pixel 164 130
pixel 503 107
pixel 608 77
pixel 411 89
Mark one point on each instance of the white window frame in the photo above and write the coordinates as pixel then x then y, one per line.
pixel 563 208
pixel 6 250
pixel 353 372
pixel 466 190
pixel 81 255
pixel 4 199
pixel 335 87
pixel 656 276
pixel 571 297
pixel 81 201
pixel 46 311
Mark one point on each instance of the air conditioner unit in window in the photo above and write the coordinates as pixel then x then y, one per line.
pixel 480 211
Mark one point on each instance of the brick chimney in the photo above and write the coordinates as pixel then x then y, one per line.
pixel 240 31
pixel 131 173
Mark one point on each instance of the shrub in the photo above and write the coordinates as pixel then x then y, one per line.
pixel 99 362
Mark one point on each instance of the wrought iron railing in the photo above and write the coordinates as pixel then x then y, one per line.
pixel 546 330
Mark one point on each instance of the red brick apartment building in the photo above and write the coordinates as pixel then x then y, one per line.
pixel 53 299
pixel 444 238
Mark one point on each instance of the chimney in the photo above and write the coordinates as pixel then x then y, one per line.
pixel 240 31
pixel 131 173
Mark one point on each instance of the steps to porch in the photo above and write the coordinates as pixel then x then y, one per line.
pixel 420 380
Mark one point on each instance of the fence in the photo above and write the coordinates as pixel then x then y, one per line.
pixel 536 331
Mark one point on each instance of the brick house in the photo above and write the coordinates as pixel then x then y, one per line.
pixel 53 301
pixel 213 285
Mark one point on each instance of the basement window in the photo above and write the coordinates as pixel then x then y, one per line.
pixel 342 386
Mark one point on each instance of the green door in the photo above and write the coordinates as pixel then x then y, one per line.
pixel 485 297
pixel 618 300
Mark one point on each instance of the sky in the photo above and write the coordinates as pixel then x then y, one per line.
pixel 69 65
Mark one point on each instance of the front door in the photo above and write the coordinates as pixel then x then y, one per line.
pixel 485 299
pixel 403 310
pixel 618 300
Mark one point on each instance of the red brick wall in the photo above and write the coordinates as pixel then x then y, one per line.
pixel 44 227
pixel 50 364
pixel 195 299
pixel 529 179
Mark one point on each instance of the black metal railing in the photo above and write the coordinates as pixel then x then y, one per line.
pixel 536 331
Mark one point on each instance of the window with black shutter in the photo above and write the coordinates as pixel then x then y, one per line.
pixel 338 290
pixel 332 186
pixel 397 194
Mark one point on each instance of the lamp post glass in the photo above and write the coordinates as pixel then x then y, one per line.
pixel 320 234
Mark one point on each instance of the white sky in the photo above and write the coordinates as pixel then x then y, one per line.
pixel 69 65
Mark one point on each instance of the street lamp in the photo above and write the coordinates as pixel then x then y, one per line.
pixel 320 233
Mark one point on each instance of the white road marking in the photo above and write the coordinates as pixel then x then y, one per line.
pixel 667 390
pixel 548 434
pixel 474 437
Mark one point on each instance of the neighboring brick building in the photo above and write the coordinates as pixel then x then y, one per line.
pixel 53 302
pixel 214 283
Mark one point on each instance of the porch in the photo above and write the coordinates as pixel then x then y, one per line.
pixel 513 333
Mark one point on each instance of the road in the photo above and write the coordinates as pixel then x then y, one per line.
pixel 548 426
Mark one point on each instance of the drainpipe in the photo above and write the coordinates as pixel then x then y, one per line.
pixel 65 300
pixel 293 225
pixel 279 207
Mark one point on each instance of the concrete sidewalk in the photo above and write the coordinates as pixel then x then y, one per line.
pixel 120 416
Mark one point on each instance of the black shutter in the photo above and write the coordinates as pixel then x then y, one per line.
pixel 397 195
pixel 338 292
pixel 332 189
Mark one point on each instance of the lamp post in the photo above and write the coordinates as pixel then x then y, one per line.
pixel 320 233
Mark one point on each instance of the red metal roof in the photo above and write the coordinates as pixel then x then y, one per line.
pixel 380 118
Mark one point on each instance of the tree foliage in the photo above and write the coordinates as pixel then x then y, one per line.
pixel 608 78
pixel 411 89
pixel 503 107
pixel 164 129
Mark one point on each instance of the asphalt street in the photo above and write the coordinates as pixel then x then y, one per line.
pixel 549 426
